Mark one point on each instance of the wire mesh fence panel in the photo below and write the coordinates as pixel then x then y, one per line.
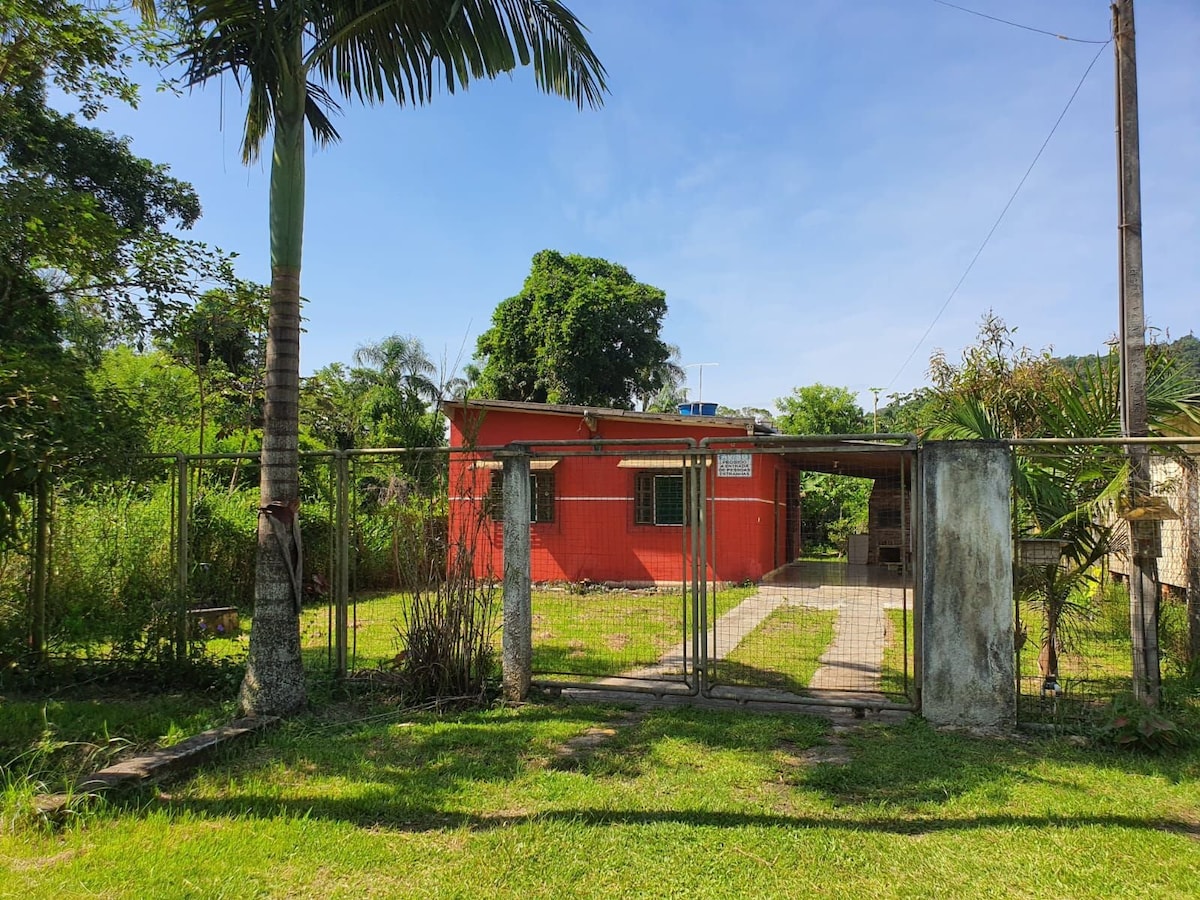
pixel 111 589
pixel 16 575
pixel 222 539
pixel 221 528
pixel 809 551
pixel 1175 478
pixel 423 554
pixel 609 539
pixel 1072 517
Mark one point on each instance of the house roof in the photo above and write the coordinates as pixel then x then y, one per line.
pixel 745 424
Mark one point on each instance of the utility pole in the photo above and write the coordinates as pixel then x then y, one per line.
pixel 875 409
pixel 1143 575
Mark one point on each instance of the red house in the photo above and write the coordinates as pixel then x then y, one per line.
pixel 615 513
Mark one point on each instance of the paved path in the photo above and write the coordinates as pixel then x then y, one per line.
pixel 850 664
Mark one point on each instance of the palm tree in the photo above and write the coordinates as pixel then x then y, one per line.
pixel 401 390
pixel 294 59
pixel 661 388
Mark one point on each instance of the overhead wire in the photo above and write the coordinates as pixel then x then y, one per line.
pixel 983 15
pixel 1000 218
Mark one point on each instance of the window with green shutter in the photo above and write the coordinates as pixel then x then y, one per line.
pixel 658 499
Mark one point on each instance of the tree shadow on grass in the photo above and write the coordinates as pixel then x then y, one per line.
pixel 415 773
pixel 421 776
pixel 629 752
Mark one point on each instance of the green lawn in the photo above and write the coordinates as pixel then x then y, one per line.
pixel 602 633
pixel 680 803
pixel 46 744
pixel 782 652
pixel 1094 666
pixel 594 634
pixel 891 676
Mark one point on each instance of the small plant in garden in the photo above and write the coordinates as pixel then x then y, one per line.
pixel 1134 726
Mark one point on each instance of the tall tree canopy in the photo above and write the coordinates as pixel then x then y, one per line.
pixel 295 59
pixel 834 505
pixel 386 400
pixel 581 331
pixel 88 243
pixel 819 409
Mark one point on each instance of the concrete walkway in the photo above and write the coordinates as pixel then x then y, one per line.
pixel 850 665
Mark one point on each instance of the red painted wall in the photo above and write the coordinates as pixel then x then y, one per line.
pixel 593 536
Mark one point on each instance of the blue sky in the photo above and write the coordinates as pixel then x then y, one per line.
pixel 806 179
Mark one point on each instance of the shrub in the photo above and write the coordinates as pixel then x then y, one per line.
pixel 1135 726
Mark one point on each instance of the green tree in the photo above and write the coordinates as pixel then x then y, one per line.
pixel 331 407
pixel 581 331
pixel 86 236
pixel 834 505
pixel 819 409
pixel 293 59
pixel 161 391
pixel 397 403
pixel 664 387
pixel 1006 379
pixel 221 340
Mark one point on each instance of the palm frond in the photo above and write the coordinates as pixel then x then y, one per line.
pixel 965 420
pixel 399 49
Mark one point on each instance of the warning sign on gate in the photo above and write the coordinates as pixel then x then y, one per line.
pixel 735 465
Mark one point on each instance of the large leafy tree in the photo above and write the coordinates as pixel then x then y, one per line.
pixel 88 241
pixel 295 59
pixel 221 341
pixel 663 388
pixel 581 331
pixel 819 409
pixel 834 505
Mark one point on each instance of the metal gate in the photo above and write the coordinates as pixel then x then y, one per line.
pixel 795 571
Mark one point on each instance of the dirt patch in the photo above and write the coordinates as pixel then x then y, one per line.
pixel 42 862
pixel 568 755
pixel 617 642
pixel 833 752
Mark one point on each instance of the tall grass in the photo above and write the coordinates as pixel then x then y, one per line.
pixel 113 592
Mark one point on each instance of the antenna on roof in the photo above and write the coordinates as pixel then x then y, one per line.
pixel 700 387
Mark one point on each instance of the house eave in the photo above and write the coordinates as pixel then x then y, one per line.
pixel 742 423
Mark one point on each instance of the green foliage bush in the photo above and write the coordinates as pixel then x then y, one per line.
pixel 1134 726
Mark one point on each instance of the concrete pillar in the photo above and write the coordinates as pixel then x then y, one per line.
pixel 517 628
pixel 965 520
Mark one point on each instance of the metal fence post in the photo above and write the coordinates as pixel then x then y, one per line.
pixel 1191 538
pixel 342 583
pixel 181 557
pixel 41 567
pixel 517 628
pixel 695 472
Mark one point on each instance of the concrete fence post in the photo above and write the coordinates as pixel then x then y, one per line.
pixel 965 517
pixel 517 628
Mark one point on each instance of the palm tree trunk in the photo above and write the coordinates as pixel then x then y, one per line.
pixel 274 681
